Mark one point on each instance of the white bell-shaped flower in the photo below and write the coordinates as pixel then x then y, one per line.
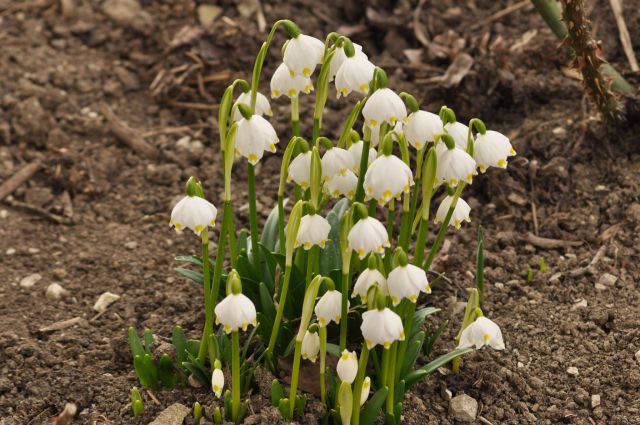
pixel 310 346
pixel 300 170
pixel 366 389
pixel 455 166
pixel 347 367
pixel 375 132
pixel 367 278
pixel 340 56
pixel 460 212
pixel 336 161
pixel 382 327
pixel 459 132
pixel 217 382
pixel 482 332
pixel 386 178
pixel 368 235
pixel 282 83
pixel 355 74
pixel 356 153
pixel 329 308
pixel 235 312
pixel 492 150
pixel 194 213
pixel 421 128
pixel 302 54
pixel 254 136
pixel 407 282
pixel 342 185
pixel 263 107
pixel 384 105
pixel 314 230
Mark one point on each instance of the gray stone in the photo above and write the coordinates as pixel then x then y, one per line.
pixel 30 280
pixel 595 400
pixel 463 408
pixel 172 415
pixel 608 279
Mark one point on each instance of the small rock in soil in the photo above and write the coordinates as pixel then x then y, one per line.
pixel 600 287
pixel 463 408
pixel 104 301
pixel 638 356
pixel 131 245
pixel 595 400
pixel 172 415
pixel 30 280
pixel 208 13
pixel 608 279
pixel 633 212
pixel 580 304
pixel 55 292
pixel 4 214
pixel 572 370
pixel 10 251
pixel 128 13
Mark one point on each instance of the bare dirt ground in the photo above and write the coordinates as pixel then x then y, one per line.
pixel 94 217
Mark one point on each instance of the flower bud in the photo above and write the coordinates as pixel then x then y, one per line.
pixel 347 367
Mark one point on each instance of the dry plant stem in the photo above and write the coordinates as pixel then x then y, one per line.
pixel 15 181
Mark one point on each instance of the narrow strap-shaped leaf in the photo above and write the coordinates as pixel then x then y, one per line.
pixel 134 342
pixel 432 366
pixel 413 349
pixel 371 409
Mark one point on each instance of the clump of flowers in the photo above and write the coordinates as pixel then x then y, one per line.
pixel 336 263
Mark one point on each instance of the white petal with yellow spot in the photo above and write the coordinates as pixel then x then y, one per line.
pixel 329 308
pixel 454 166
pixel 235 312
pixel 310 346
pixel 263 107
pixel 302 54
pixel 460 212
pixel 300 170
pixel 193 212
pixel 366 389
pixel 282 83
pixel 421 128
pixel 340 56
pixel 482 332
pixel 459 132
pixel 384 105
pixel 217 382
pixel 407 282
pixel 347 367
pixel 253 137
pixel 375 132
pixel 314 230
pixel 388 177
pixel 336 161
pixel 355 74
pixel 366 279
pixel 342 185
pixel 381 327
pixel 356 153
pixel 368 235
pixel 492 149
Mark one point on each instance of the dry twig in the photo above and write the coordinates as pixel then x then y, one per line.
pixel 625 39
pixel 15 181
pixel 127 135
pixel 546 243
pixel 502 13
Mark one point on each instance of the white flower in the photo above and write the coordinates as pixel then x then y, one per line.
pixel 355 74
pixel 194 213
pixel 387 177
pixel 492 150
pixel 302 54
pixel 366 389
pixel 460 212
pixel 217 382
pixel 347 367
pixel 300 170
pixel 342 185
pixel 282 83
pixel 382 327
pixel 314 230
pixel 253 137
pixel 336 161
pixel 329 307
pixel 384 105
pixel 454 165
pixel 482 332
pixel 262 105
pixel 375 132
pixel 367 278
pixel 421 128
pixel 234 312
pixel 340 56
pixel 407 282
pixel 310 346
pixel 356 152
pixel 368 235
pixel 459 132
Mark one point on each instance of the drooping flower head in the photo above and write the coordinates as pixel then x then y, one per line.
pixel 455 165
pixel 310 346
pixel 382 327
pixel 342 185
pixel 314 230
pixel 347 367
pixel 480 333
pixel 254 136
pixel 388 177
pixel 283 83
pixel 340 56
pixel 459 132
pixel 421 128
pixel 492 149
pixel 406 280
pixel 302 53
pixel 355 75
pixel 263 107
pixel 300 170
pixel 236 311
pixel 329 308
pixel 369 277
pixel 193 212
pixel 336 161
pixel 356 152
pixel 460 212
pixel 384 105
pixel 368 235
pixel 217 379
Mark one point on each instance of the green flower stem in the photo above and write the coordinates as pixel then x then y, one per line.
pixel 357 387
pixel 385 367
pixel 208 309
pixel 443 228
pixel 312 264
pixel 346 281
pixel 253 217
pixel 391 378
pixel 257 67
pixel 294 376
pixel 235 376
pixel 322 332
pixel 418 182
pixel 364 163
pixel 316 129
pixel 281 302
pixel 281 223
pixel 295 115
pixel 405 223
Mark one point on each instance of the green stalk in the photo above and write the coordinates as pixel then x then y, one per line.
pixel 208 309
pixel 295 115
pixel 281 223
pixel 312 264
pixel 364 163
pixel 257 67
pixel 357 392
pixel 281 302
pixel 253 217
pixel 391 378
pixel 346 278
pixel 235 376
pixel 443 228
pixel 294 376
pixel 322 332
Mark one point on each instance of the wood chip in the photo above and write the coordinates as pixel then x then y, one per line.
pixel 58 326
pixel 547 243
pixel 127 135
pixel 15 181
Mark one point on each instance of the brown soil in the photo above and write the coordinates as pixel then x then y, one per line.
pixel 61 61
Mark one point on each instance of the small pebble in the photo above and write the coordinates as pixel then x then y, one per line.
pixel 33 250
pixel 30 280
pixel 580 304
pixel 595 401
pixel 499 285
pixel 608 279
pixel 600 287
pixel 572 370
pixel 131 245
pixel 55 292
pixel 104 301
pixel 10 251
pixel 463 408
pixel 638 356
pixel 4 214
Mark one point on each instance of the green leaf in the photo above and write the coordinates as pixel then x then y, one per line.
pixel 345 397
pixel 333 349
pixel 242 241
pixel 277 393
pixel 411 355
pixel 166 373
pixel 330 258
pixel 137 408
pixel 179 341
pixel 269 265
pixel 266 302
pixel 190 274
pixel 433 337
pixel 283 407
pixel 371 409
pixel 134 342
pixel 195 260
pixel 420 316
pixel 146 371
pixel 432 366
pixel 270 231
pixel 148 341
pixel 301 403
